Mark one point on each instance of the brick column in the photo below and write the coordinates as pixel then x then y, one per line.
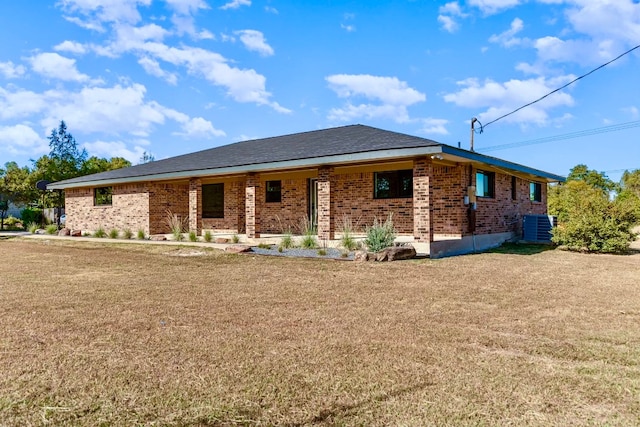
pixel 252 208
pixel 422 207
pixel 195 205
pixel 326 220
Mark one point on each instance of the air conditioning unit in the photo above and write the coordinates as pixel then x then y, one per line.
pixel 537 228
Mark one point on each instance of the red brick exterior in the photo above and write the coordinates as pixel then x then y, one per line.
pixel 234 210
pixel 252 206
pixel 195 205
pixel 502 214
pixel 286 215
pixel 436 209
pixel 422 204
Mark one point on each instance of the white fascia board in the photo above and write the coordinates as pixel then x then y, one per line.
pixel 262 167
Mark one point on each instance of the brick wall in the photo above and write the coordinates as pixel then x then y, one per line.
pixel 286 215
pixel 448 189
pixel 503 214
pixel 354 198
pixel 234 210
pixel 129 209
pixel 165 199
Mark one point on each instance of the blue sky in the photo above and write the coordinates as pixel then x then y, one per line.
pixel 175 76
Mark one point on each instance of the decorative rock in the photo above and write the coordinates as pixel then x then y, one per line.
pixel 40 231
pixel 401 252
pixel 361 256
pixel 220 240
pixel 383 255
pixel 76 233
pixel 158 238
pixel 396 253
pixel 236 249
pixel 64 232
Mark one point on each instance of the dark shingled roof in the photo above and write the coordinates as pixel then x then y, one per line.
pixel 327 142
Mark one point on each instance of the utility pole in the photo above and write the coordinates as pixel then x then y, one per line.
pixel 473 121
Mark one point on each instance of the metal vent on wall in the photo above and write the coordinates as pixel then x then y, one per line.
pixel 537 228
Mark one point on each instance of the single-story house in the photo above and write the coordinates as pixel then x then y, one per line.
pixel 450 199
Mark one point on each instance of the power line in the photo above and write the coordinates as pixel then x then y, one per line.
pixel 560 88
pixel 577 134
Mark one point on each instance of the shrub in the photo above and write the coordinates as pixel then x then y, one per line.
pixel 141 235
pixel 100 233
pixel 380 235
pixel 29 215
pixel 51 229
pixel 346 228
pixel 207 236
pixel 287 241
pixel 113 233
pixel 235 238
pixel 588 221
pixel 322 252
pixel 32 227
pixel 309 241
pixel 264 245
pixel 308 230
pixel 127 234
pixel 193 237
pixel 177 226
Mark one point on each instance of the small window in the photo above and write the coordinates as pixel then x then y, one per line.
pixel 514 188
pixel 274 192
pixel 535 192
pixel 213 201
pixel 394 184
pixel 485 184
pixel 102 196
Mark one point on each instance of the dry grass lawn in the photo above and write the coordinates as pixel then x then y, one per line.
pixel 104 334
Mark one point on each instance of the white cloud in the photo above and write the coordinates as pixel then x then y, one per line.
pixel 235 4
pixel 502 98
pixel 151 66
pixel 447 15
pixel 348 28
pixel 507 38
pixel 271 9
pixel 71 47
pixel 448 23
pixel 11 71
pixel 19 103
pixel 98 11
pixel 110 149
pixel 187 7
pixel 113 111
pixel 393 97
pixel 431 126
pixel 53 65
pixel 22 139
pixel 489 7
pixel 198 127
pixel 254 41
pixel 632 111
pixel 389 90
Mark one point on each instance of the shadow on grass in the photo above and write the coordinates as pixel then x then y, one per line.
pixel 350 409
pixel 522 248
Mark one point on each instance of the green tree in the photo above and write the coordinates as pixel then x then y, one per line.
pixel 96 164
pixel 630 190
pixel 588 220
pixel 146 158
pixel 592 177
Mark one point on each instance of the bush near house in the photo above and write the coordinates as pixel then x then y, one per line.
pixel 588 219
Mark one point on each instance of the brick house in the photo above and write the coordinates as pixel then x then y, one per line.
pixel 448 199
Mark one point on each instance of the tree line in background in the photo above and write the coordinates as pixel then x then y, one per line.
pixel 594 213
pixel 64 161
